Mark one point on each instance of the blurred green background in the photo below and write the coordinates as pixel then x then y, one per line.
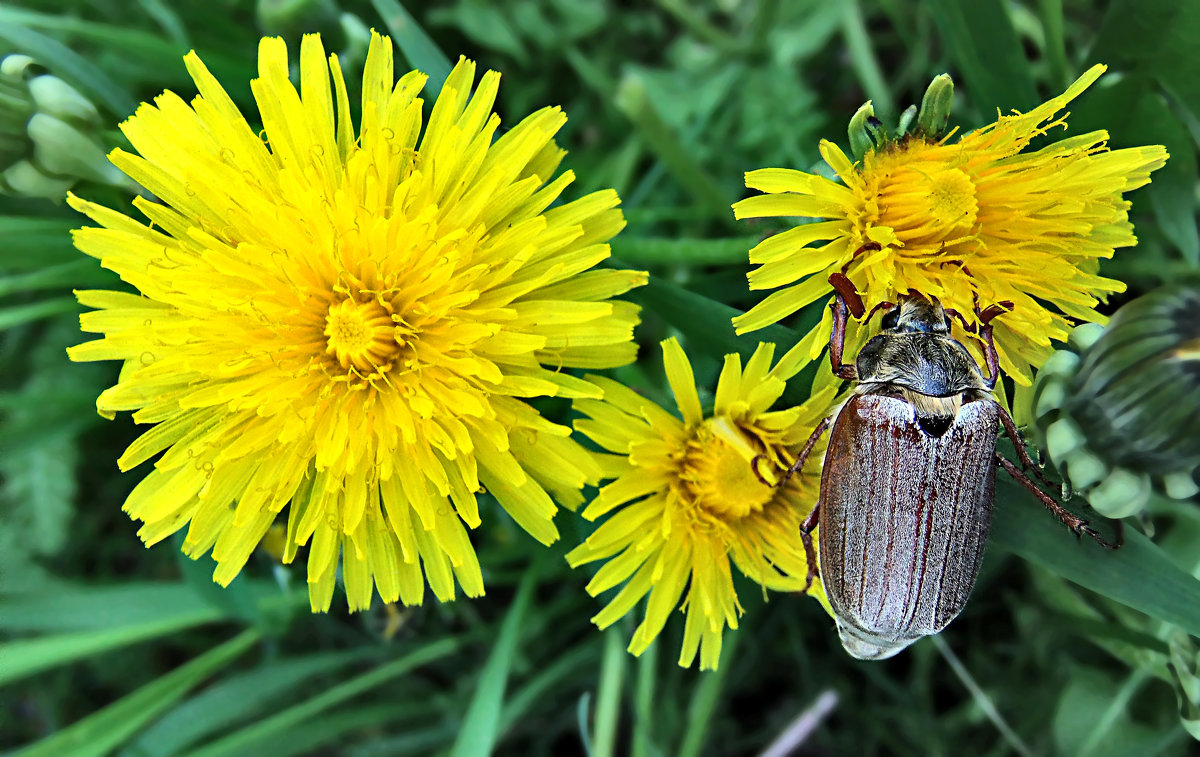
pixel 107 647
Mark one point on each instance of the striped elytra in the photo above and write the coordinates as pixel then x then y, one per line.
pixel 904 520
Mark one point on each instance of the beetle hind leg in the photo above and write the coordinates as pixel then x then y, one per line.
pixel 1078 525
pixel 810 549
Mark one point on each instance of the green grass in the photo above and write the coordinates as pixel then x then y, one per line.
pixel 107 647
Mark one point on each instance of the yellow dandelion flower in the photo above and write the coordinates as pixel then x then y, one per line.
pixel 345 328
pixel 693 495
pixel 974 222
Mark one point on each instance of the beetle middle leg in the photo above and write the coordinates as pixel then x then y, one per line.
pixel 810 522
pixel 1078 525
pixel 1010 428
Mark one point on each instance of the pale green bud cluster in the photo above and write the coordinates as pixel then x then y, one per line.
pixel 868 133
pixel 50 134
pixel 1117 409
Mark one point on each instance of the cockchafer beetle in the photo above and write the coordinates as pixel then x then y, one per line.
pixel 909 475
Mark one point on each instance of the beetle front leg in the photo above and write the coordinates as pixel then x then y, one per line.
pixel 810 550
pixel 845 301
pixel 1078 525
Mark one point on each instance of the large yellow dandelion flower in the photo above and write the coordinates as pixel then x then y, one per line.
pixel 974 222
pixel 337 332
pixel 693 495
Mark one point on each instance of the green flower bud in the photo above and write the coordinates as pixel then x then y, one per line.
pixel 936 105
pixel 49 134
pixel 1117 410
pixel 861 141
pixel 907 119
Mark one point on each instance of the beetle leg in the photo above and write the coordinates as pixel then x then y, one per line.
pixel 1078 525
pixel 1010 428
pixel 810 551
pixel 808 448
pixel 845 300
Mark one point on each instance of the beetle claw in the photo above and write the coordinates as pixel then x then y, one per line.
pixel 1083 528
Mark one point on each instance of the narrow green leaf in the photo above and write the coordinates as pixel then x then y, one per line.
pixel 608 694
pixel 101 732
pixel 81 273
pixel 988 54
pixel 255 738
pixel 21 314
pixel 69 66
pixel 862 59
pixel 704 320
pixel 79 608
pixel 644 703
pixel 25 657
pixel 1139 574
pixel 421 52
pixel 31 243
pixel 1157 37
pixel 706 698
pixel 1051 13
pixel 481 725
pixel 237 699
pixel 648 251
pixel 631 99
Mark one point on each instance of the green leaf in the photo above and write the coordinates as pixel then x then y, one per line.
pixel 705 321
pixel 608 694
pixel 237 699
pixel 255 738
pixel 1139 574
pixel 1157 37
pixel 988 54
pixel 631 99
pixel 480 727
pixel 101 732
pixel 25 657
pixel 707 699
pixel 99 607
pixel 17 315
pixel 417 47
pixel 68 66
pixel 32 243
pixel 647 251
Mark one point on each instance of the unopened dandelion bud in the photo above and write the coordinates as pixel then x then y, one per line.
pixel 1125 396
pixel 935 107
pixel 50 133
pixel 861 141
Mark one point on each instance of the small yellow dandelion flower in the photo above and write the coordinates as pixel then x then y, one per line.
pixel 337 332
pixel 691 496
pixel 974 222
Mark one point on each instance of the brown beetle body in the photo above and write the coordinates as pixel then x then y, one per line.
pixel 899 556
pixel 909 477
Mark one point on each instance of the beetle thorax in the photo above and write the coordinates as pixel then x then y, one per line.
pixel 915 357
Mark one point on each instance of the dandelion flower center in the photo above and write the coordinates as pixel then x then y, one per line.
pixel 719 475
pixel 361 336
pixel 927 203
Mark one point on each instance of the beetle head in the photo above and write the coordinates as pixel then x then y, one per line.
pixel 917 315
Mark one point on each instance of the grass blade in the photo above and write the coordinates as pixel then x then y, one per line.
pixel 1139 574
pixel 25 657
pixel 481 726
pixel 101 732
pixel 255 738
pixel 421 52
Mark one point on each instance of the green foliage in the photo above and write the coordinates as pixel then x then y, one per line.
pixel 106 647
